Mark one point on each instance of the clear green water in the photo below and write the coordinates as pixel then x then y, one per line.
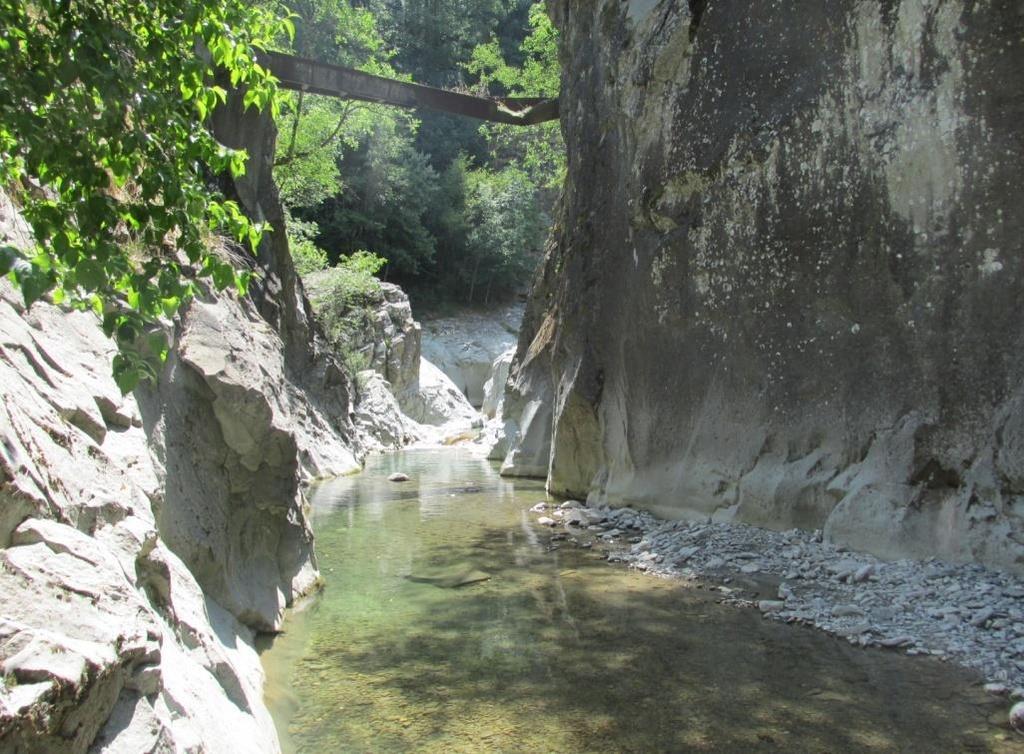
pixel 561 652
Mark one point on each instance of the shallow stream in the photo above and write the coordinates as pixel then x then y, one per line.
pixel 449 624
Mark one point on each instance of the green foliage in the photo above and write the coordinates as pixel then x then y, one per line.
pixel 538 150
pixel 343 299
pixel 307 256
pixel 102 143
pixel 314 129
pixel 505 231
pixel 432 37
pixel 430 195
pixel 387 203
pixel 348 285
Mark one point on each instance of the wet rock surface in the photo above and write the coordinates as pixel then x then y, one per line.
pixel 966 614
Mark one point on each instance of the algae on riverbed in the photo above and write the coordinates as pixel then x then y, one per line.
pixel 559 651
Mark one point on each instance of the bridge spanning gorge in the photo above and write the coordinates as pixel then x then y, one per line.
pixel 303 74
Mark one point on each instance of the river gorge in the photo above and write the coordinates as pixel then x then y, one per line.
pixel 742 470
pixel 451 621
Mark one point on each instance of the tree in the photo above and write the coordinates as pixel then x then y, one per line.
pixel 384 204
pixel 314 129
pixel 104 147
pixel 505 231
pixel 539 150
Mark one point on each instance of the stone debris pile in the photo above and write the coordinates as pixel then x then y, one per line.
pixel 967 614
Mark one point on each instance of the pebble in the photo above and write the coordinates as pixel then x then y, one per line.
pixel 685 553
pixel 981 617
pixel 842 611
pixel 963 613
pixel 539 508
pixel 398 476
pixel 864 573
pixel 546 521
pixel 1017 717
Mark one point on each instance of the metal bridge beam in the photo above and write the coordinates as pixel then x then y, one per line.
pixel 302 74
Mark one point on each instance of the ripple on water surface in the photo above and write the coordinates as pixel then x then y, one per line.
pixel 447 625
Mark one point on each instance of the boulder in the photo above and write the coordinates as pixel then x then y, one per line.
pixel 384 332
pixel 494 388
pixel 437 401
pixel 379 415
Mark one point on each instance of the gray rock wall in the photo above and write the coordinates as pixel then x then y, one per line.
pixel 106 637
pixel 786 284
pixel 143 538
pixel 465 346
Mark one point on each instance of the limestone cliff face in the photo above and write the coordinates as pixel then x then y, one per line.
pixel 143 538
pixel 786 284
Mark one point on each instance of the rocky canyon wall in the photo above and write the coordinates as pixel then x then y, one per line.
pixel 144 538
pixel 786 283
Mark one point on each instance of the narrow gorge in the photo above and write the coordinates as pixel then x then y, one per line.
pixel 755 435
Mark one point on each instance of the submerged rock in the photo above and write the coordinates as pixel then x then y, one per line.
pixel 452 581
pixel 398 476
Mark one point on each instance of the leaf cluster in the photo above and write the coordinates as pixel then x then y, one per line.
pixel 539 150
pixel 344 296
pixel 104 147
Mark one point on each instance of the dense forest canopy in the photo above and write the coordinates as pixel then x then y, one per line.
pixel 105 148
pixel 457 210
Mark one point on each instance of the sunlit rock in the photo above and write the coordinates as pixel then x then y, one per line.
pixel 784 286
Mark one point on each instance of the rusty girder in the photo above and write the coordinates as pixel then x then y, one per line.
pixel 302 74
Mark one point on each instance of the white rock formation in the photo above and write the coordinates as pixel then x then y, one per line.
pixel 465 347
pixel 142 540
pixel 494 388
pixel 437 401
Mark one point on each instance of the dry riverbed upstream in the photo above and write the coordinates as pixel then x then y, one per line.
pixel 965 614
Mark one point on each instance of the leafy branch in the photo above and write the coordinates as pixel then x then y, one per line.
pixel 104 147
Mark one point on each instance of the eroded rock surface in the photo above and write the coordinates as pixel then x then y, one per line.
pixel 143 538
pixel 106 638
pixel 794 300
pixel 465 347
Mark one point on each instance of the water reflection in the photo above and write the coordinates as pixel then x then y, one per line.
pixel 558 651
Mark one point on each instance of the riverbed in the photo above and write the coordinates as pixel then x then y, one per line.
pixel 448 623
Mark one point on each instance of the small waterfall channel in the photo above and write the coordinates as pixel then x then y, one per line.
pixel 450 623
